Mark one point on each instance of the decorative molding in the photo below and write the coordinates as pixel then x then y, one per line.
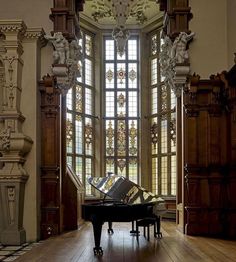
pixel 5 139
pixel 17 26
pixel 35 34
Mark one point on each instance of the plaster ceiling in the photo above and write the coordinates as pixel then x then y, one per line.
pixel 137 13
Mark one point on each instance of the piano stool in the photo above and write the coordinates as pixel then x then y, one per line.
pixel 146 223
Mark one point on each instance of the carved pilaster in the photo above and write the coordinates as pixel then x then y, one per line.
pixel 14 145
pixel 50 169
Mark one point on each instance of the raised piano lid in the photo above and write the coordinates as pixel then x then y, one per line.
pixel 121 189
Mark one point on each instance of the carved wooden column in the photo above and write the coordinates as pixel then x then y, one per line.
pixel 50 177
pixel 14 145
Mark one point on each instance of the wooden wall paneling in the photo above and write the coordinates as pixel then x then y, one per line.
pixel 50 169
pixel 231 215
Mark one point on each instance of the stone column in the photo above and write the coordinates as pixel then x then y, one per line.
pixel 14 145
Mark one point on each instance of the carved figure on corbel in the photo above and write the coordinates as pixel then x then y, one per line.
pixel 179 49
pixel 61 47
pixel 5 139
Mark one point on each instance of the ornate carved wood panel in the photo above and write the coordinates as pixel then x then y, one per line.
pixel 209 144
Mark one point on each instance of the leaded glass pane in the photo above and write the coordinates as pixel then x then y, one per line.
pixel 110 75
pixel 154 100
pixel 88 172
pixel 133 104
pixel 133 170
pixel 173 132
pixel 173 175
pixel 88 101
pixel 132 49
pixel 155 175
pixel 79 99
pixel 88 45
pixel 69 99
pixel 133 135
pixel 164 136
pixel 164 175
pixel 109 49
pixel 110 100
pixel 110 167
pixel 88 72
pixel 154 71
pixel 78 137
pixel 110 133
pixel 79 167
pixel 154 136
pixel 132 75
pixel 121 75
pixel 121 104
pixel 121 167
pixel 121 138
pixel 88 136
pixel 69 133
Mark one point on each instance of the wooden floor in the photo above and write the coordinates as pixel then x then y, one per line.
pixel 121 247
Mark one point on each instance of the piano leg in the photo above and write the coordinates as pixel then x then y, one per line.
pixel 110 230
pixel 158 233
pixel 97 231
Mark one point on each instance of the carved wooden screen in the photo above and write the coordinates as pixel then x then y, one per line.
pixel 121 113
pixel 162 126
pixel 80 116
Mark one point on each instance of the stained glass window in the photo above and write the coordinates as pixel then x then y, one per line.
pixel 121 112
pixel 80 116
pixel 163 128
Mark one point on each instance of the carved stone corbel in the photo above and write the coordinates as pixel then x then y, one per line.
pixel 65 61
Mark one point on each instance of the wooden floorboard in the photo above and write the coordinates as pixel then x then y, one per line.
pixel 77 246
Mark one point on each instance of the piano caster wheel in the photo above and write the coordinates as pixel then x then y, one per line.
pixel 158 235
pixel 97 251
pixel 110 231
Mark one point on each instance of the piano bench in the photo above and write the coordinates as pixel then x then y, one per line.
pixel 146 223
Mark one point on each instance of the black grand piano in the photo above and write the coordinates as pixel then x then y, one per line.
pixel 124 201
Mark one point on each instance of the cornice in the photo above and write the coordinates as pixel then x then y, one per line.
pixel 35 34
pixel 10 26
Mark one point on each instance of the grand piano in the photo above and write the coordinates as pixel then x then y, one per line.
pixel 124 201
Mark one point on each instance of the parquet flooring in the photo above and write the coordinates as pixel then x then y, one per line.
pixel 77 246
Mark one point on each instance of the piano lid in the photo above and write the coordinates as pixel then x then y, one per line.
pixel 121 189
